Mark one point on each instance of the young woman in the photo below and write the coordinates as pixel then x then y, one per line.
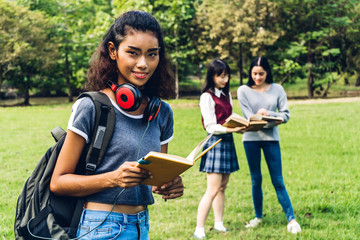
pixel 262 96
pixel 132 52
pixel 220 161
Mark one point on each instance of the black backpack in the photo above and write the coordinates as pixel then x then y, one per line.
pixel 45 214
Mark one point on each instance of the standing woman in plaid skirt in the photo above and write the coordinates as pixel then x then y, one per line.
pixel 220 161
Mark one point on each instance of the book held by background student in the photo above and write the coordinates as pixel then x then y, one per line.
pixel 165 167
pixel 254 123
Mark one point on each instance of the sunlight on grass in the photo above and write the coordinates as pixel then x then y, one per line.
pixel 320 151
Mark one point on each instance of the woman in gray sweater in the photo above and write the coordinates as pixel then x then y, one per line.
pixel 262 96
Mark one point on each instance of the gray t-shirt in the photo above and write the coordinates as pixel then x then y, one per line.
pixel 124 145
pixel 273 100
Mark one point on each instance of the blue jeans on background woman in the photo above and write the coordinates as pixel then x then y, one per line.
pixel 272 155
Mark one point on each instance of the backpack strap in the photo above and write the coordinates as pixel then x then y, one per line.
pixel 57 133
pixel 104 127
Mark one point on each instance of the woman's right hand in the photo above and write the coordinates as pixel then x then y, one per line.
pixel 263 111
pixel 128 175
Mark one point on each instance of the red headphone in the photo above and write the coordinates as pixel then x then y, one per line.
pixel 129 98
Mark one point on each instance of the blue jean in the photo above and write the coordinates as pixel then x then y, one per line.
pixel 116 226
pixel 272 155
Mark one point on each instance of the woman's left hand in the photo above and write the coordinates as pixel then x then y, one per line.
pixel 170 190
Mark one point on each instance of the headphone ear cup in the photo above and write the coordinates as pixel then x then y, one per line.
pixel 128 97
pixel 152 109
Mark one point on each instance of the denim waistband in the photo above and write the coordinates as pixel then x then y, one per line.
pixel 96 215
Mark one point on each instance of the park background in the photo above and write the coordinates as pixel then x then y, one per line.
pixel 313 47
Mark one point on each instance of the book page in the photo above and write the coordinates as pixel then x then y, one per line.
pixel 272 119
pixel 163 167
pixel 197 149
pixel 206 150
pixel 238 118
pixel 166 156
pixel 256 126
pixel 235 120
pixel 257 117
pixel 174 158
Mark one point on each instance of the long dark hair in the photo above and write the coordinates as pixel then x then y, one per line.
pixel 216 68
pixel 260 62
pixel 103 68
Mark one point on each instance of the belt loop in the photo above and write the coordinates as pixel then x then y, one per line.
pixel 82 215
pixel 146 212
pixel 141 215
pixel 138 216
pixel 125 221
pixel 125 218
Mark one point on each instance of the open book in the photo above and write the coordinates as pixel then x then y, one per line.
pixel 258 117
pixel 254 123
pixel 165 167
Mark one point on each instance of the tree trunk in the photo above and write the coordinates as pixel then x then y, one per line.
pixel 344 58
pixel 240 64
pixel 67 76
pixel 176 80
pixel 325 92
pixel 310 82
pixel 357 83
pixel 310 79
pixel 26 91
pixel 284 79
pixel 176 67
pixel 1 79
pixel 199 73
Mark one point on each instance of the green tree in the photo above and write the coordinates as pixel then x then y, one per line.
pixel 349 41
pixel 316 38
pixel 78 27
pixel 7 23
pixel 27 48
pixel 239 28
pixel 82 28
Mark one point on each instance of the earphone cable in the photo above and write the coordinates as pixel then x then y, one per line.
pixel 141 139
pixel 45 238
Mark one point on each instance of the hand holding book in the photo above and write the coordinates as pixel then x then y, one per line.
pixel 259 117
pixel 165 167
pixel 264 114
pixel 170 190
pixel 254 123
pixel 236 129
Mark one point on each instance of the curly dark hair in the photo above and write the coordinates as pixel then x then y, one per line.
pixel 216 67
pixel 103 68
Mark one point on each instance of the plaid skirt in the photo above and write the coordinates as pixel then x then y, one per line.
pixel 221 158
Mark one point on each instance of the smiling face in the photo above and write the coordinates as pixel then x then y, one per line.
pixel 136 58
pixel 258 74
pixel 221 80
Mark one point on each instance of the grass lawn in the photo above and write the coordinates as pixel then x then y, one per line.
pixel 320 150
